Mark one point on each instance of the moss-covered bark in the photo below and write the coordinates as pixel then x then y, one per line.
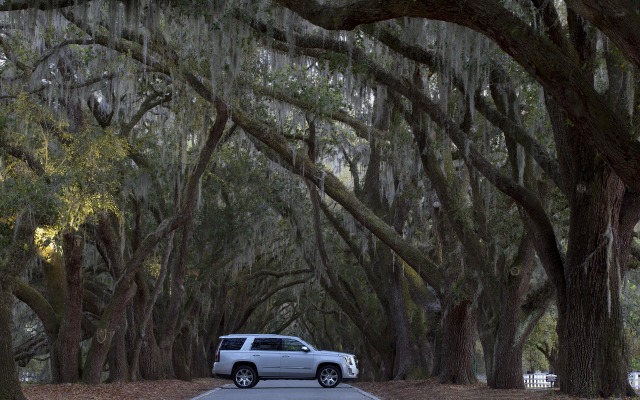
pixel 17 255
pixel 70 333
pixel 9 384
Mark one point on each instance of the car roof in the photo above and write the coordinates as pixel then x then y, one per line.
pixel 266 335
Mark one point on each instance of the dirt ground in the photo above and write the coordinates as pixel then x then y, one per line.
pixel 180 390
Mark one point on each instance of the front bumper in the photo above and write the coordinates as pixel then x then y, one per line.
pixel 349 372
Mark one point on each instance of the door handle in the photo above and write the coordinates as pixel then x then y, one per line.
pixel 256 355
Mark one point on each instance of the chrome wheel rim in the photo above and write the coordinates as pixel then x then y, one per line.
pixel 329 376
pixel 244 377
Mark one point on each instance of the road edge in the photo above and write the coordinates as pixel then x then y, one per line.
pixel 362 392
pixel 201 395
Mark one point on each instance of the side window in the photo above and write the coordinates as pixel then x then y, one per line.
pixel 291 345
pixel 232 343
pixel 266 344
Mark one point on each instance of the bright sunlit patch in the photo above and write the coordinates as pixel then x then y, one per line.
pixel 45 240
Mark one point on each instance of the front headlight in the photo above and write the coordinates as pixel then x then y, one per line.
pixel 348 360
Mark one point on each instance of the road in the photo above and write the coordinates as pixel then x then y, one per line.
pixel 286 390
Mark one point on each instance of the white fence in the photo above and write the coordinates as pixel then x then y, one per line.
pixel 27 376
pixel 539 381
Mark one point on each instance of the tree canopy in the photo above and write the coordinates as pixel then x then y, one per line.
pixel 395 178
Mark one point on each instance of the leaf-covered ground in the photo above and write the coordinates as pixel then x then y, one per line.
pixel 144 390
pixel 180 390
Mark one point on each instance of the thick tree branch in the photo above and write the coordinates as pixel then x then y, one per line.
pixel 552 23
pixel 150 102
pixel 35 346
pixel 332 186
pixel 103 38
pixel 618 19
pixel 434 61
pixel 596 122
pixel 17 5
pixel 361 129
pixel 276 274
pixel 40 306
pixel 23 154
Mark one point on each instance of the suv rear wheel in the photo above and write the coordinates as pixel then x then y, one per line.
pixel 245 377
pixel 329 376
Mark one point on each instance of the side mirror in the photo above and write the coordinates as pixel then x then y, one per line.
pixel 305 349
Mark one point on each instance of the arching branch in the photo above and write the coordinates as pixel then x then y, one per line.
pixel 595 121
pixel 17 5
pixel 618 19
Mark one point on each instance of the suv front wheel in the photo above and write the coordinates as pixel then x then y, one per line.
pixel 245 377
pixel 329 376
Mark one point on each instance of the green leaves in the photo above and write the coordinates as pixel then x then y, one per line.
pixel 27 191
pixel 79 173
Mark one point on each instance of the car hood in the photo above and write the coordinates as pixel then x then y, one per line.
pixel 332 353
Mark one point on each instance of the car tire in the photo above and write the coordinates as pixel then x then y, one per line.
pixel 245 377
pixel 329 376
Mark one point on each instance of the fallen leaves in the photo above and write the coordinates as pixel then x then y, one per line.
pixel 157 390
pixel 179 390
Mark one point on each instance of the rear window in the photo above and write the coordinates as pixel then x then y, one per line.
pixel 232 343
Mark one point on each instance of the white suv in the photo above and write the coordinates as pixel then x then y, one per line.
pixel 249 358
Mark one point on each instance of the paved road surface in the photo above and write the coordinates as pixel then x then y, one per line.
pixel 286 390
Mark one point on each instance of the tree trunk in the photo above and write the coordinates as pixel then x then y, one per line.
pixel 591 340
pixel 502 334
pixel 176 303
pixel 9 384
pixel 150 358
pixel 590 326
pixel 508 358
pixel 488 341
pixel 118 362
pixel 550 352
pixel 403 361
pixel 437 351
pixel 182 357
pixel 409 359
pixel 200 367
pixel 13 260
pixel 144 360
pixel 513 322
pixel 458 345
pixel 69 334
pixel 101 341
pixel 56 296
